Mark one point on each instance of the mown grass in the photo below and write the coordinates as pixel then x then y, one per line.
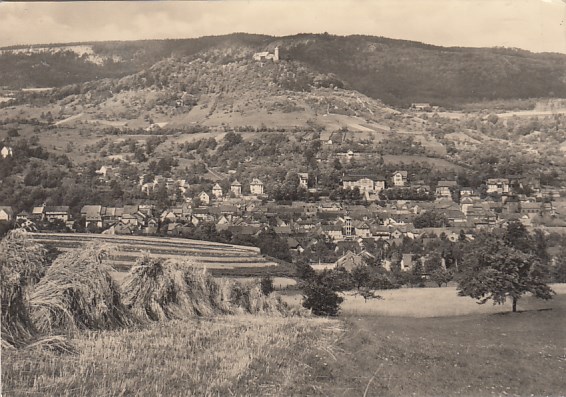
pixel 519 354
pixel 424 302
pixel 228 355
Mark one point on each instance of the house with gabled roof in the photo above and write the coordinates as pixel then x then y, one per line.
pixel 6 213
pixel 303 179
pixel 92 215
pixel 168 215
pixel 104 171
pixel 400 178
pixel 217 191
pixel 38 213
pixel 444 188
pixel 333 232
pixel 498 185
pixel 530 208
pixel 23 216
pixel 361 229
pixel 350 260
pixel 204 198
pixel 111 215
pixel 53 213
pixel 6 151
pixel 329 207
pixel 294 245
pixel 256 187
pixel 466 203
pixel 236 188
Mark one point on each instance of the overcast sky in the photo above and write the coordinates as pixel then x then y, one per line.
pixel 536 25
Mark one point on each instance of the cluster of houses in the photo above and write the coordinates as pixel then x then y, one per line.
pixel 300 223
pixel 170 183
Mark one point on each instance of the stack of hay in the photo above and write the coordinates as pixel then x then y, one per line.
pixel 78 292
pixel 248 298
pixel 22 263
pixel 157 290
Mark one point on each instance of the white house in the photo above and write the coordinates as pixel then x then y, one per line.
pixel 53 213
pixel 303 180
pixel 6 213
pixel 365 183
pixel 217 191
pixel 6 152
pixel 443 188
pixel 498 185
pixel 400 178
pixel 204 198
pixel 236 188
pixel 256 187
pixel 104 171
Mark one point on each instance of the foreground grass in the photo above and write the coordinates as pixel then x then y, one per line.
pixel 486 354
pixel 230 355
pixel 522 354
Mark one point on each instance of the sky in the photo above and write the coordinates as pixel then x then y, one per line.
pixel 536 25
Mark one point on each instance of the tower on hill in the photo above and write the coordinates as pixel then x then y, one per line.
pixel 266 56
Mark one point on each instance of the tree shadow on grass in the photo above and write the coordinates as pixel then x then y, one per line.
pixel 546 309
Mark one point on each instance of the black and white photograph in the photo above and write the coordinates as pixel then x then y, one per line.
pixel 344 198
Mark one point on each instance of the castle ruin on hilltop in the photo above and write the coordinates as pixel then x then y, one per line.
pixel 266 56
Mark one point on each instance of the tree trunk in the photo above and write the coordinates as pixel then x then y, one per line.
pixel 514 305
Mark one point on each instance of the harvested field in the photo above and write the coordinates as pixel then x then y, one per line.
pixel 223 356
pixel 519 354
pixel 129 248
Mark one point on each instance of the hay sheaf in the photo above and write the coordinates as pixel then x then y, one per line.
pixel 248 298
pixel 78 292
pixel 22 264
pixel 157 290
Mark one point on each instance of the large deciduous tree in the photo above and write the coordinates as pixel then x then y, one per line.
pixel 496 270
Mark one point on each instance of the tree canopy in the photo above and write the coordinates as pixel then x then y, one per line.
pixel 495 269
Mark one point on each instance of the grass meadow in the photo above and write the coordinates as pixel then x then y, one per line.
pixel 424 342
pixel 424 302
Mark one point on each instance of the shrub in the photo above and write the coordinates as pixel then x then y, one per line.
pixel 321 300
pixel 266 284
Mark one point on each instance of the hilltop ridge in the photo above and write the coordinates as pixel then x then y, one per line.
pixel 398 72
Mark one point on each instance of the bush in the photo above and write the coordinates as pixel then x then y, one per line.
pixel 322 300
pixel 266 284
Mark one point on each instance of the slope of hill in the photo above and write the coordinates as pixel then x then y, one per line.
pixel 395 71
pixel 219 88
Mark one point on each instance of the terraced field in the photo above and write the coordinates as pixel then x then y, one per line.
pixel 126 249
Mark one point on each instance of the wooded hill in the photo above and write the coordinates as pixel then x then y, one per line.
pixel 395 71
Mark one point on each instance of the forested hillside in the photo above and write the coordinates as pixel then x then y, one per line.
pixel 394 71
